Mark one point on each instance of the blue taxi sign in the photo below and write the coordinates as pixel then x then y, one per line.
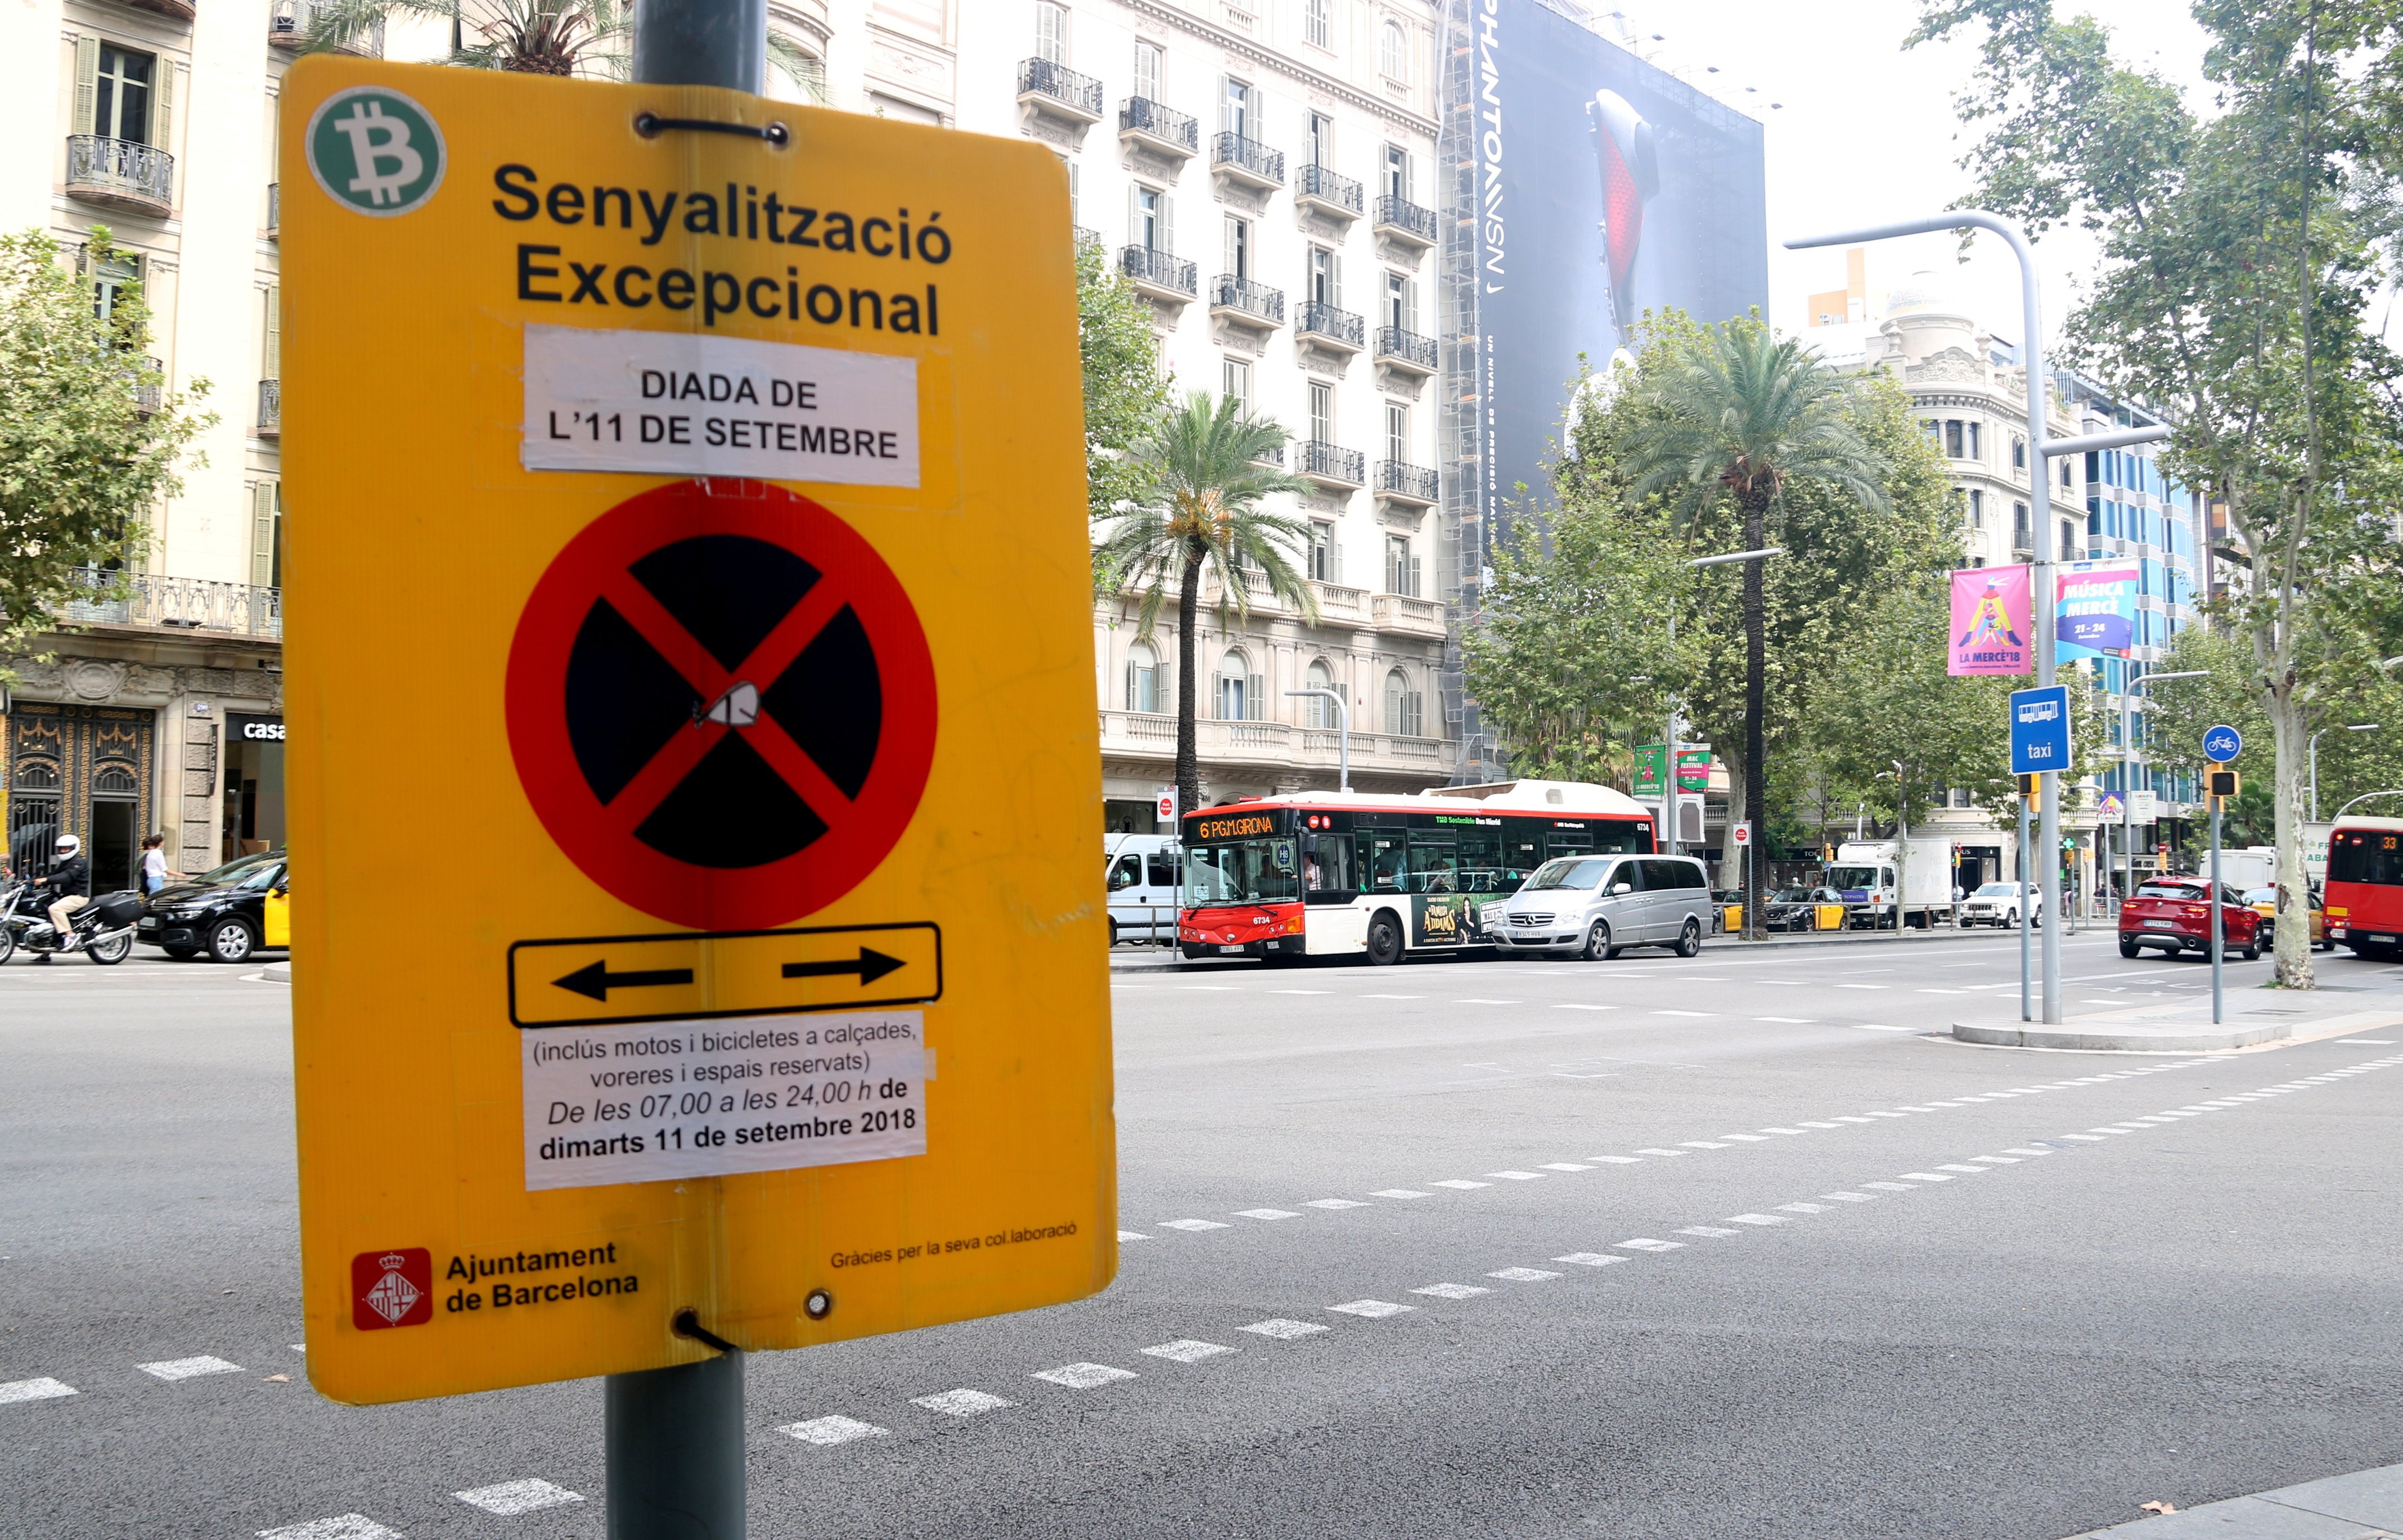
pixel 2041 729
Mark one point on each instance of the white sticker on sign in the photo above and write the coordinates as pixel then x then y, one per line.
pixel 672 402
pixel 665 1100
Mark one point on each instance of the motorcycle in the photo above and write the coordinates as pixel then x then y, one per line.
pixel 103 929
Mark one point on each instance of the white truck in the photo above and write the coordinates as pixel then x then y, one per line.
pixel 1865 873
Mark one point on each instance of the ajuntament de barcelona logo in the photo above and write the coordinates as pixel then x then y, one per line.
pixel 375 150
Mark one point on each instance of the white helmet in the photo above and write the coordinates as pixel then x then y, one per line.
pixel 69 844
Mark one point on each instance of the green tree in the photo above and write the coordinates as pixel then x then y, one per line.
pixel 1736 419
pixel 2241 252
pixel 1206 469
pixel 1125 391
pixel 89 444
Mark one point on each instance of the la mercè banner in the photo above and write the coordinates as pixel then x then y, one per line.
pixel 1991 612
pixel 2094 610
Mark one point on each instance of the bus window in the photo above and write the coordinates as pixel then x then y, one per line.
pixel 1435 865
pixel 1521 853
pixel 1481 861
pixel 1567 842
pixel 1248 871
pixel 2366 855
pixel 1388 862
pixel 1327 864
pixel 1625 839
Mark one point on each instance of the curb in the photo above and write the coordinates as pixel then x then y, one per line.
pixel 2122 1042
pixel 277 973
pixel 1146 964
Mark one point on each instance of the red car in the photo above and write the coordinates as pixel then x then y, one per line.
pixel 2175 914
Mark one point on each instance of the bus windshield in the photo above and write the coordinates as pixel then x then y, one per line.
pixel 2366 855
pixel 1248 871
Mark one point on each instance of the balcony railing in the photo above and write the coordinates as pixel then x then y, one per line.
pixel 1158 272
pixel 1407 483
pixel 1399 217
pixel 1336 193
pixel 1329 324
pixel 1406 350
pixel 1141 118
pixel 120 174
pixel 177 604
pixel 1272 455
pixel 150 395
pixel 1331 463
pixel 1399 611
pixel 270 408
pixel 1247 160
pixel 288 27
pixel 1243 300
pixel 1058 86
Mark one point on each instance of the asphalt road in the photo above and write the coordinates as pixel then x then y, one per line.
pixel 1647 1248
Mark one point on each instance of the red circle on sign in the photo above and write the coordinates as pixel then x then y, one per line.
pixel 721 704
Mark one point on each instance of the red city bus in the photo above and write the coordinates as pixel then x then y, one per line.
pixel 1331 874
pixel 2363 900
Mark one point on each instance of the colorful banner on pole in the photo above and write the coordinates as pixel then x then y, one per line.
pixel 2094 610
pixel 1651 762
pixel 1992 631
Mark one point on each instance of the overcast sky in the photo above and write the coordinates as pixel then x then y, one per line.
pixel 1866 132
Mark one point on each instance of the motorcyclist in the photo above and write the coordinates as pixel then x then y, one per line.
pixel 69 885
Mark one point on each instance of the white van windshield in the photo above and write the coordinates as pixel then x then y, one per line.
pixel 1568 872
pixel 1853 877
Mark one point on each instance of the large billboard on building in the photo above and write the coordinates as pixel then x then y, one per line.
pixel 1603 188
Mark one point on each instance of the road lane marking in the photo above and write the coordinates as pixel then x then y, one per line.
pixel 1518 1175
pixel 1372 1310
pixel 1284 1331
pixel 1452 1291
pixel 35 1389
pixel 1710 1230
pixel 1459 1185
pixel 1084 1375
pixel 1588 1260
pixel 1185 1350
pixel 961 1403
pixel 187 1368
pixel 1339 1203
pixel 1523 1275
pixel 1399 1192
pixel 348 1526
pixel 1266 1214
pixel 828 1431
pixel 508 1499
pixel 1645 1243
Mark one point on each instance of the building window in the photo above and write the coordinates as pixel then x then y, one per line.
pixel 1397 433
pixel 110 278
pixel 1952 444
pixel 121 94
pixel 2068 473
pixel 1325 277
pixel 1317 28
pixel 1326 566
pixel 1401 567
pixel 1321 141
pixel 1977 448
pixel 1238 246
pixel 267 534
pixel 1051 32
pixel 1394 53
pixel 1401 302
pixel 1149 60
pixel 1397 172
pixel 1316 710
pixel 1153 222
pixel 1236 113
pixel 1977 510
pixel 1404 707
pixel 2019 533
pixel 1235 383
pixel 1322 411
pixel 1143 679
pixel 2068 541
pixel 2019 453
pixel 1239 689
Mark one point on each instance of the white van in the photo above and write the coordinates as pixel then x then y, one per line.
pixel 1143 873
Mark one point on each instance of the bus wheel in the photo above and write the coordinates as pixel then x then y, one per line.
pixel 1384 938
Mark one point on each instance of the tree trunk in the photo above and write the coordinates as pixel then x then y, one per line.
pixel 1737 810
pixel 2289 734
pixel 1188 750
pixel 1756 702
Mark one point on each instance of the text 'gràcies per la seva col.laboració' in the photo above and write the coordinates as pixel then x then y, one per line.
pixel 908 302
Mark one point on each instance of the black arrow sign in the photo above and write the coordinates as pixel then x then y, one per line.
pixel 871 966
pixel 594 980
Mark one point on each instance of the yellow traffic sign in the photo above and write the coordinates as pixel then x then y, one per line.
pixel 691 743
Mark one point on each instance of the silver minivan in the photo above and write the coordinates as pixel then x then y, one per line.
pixel 1595 906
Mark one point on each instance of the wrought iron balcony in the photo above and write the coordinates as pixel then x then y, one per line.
pixel 1325 189
pixel 288 21
pixel 1162 127
pixel 270 408
pixel 1272 455
pixel 1405 350
pixel 151 394
pixel 1331 465
pixel 1245 159
pixel 1323 324
pixel 1085 235
pixel 1398 482
pixel 1162 274
pixel 118 173
pixel 176 604
pixel 1403 220
pixel 1241 300
pixel 1060 90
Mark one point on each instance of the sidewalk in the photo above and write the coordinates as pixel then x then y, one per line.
pixel 2251 1017
pixel 2366 1506
pixel 1135 959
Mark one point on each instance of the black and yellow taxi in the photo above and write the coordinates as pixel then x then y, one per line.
pixel 241 907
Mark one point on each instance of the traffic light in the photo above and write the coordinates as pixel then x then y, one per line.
pixel 2221 786
pixel 2029 787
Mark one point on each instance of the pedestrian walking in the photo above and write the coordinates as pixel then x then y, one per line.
pixel 155 874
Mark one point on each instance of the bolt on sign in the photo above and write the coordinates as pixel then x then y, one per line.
pixel 711 469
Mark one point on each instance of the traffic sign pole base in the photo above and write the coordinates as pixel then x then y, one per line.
pixel 675 1452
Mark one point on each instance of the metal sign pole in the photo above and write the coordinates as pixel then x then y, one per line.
pixel 2218 920
pixel 674 1437
pixel 2027 916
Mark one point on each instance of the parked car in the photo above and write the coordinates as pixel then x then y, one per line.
pixel 2173 914
pixel 1596 906
pixel 1797 909
pixel 1142 881
pixel 1997 903
pixel 240 908
pixel 2264 904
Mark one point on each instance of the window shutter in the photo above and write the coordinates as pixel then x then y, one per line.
pixel 1410 304
pixel 270 353
pixel 1255 697
pixel 1335 279
pixel 1335 561
pixel 1167 223
pixel 1229 252
pixel 1414 577
pixel 263 534
pixel 87 84
pixel 1134 215
pixel 163 102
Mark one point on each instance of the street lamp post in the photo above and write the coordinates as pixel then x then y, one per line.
pixel 1342 734
pixel 2350 727
pixel 1752 854
pixel 2040 499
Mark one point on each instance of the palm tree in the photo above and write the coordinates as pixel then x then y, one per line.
pixel 1739 415
pixel 1209 464
pixel 529 37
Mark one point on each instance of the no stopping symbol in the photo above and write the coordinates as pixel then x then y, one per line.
pixel 721 704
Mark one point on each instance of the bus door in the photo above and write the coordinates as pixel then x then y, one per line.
pixel 1385 861
pixel 1481 875
pixel 1438 912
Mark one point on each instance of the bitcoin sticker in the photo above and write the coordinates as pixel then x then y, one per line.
pixel 375 150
